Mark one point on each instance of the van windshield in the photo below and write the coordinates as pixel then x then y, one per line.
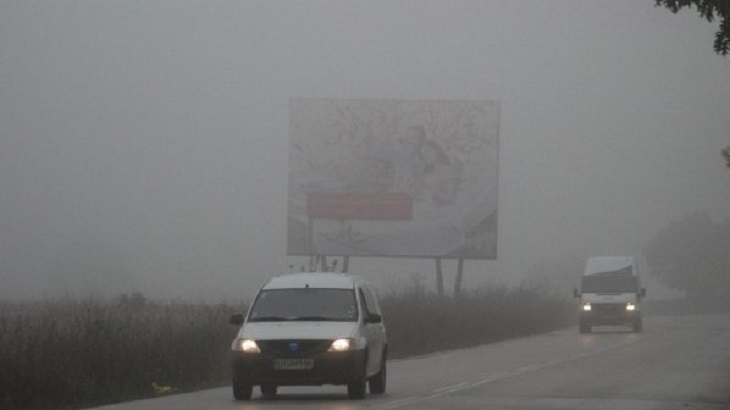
pixel 607 283
pixel 304 304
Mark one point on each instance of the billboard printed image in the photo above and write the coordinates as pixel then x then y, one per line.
pixel 412 178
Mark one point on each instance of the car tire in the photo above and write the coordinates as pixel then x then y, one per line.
pixel 377 383
pixel 242 391
pixel 268 390
pixel 356 389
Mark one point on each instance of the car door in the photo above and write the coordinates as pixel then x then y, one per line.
pixel 374 332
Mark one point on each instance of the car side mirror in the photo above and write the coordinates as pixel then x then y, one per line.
pixel 236 320
pixel 373 318
pixel 575 293
pixel 642 293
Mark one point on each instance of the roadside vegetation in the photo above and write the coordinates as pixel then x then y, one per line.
pixel 67 354
pixel 74 353
pixel 419 322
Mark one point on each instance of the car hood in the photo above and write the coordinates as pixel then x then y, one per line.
pixel 297 330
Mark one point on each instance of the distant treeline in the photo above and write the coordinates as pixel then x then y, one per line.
pixel 79 353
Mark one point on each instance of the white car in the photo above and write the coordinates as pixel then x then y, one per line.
pixel 311 329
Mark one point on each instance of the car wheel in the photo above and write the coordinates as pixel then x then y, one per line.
pixel 377 382
pixel 242 391
pixel 268 390
pixel 356 389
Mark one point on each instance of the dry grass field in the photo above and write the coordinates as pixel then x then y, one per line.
pixel 67 354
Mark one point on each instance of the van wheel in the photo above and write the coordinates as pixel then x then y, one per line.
pixel 377 382
pixel 268 390
pixel 242 391
pixel 638 325
pixel 584 327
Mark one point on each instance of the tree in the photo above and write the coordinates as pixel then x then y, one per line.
pixel 708 9
pixel 692 254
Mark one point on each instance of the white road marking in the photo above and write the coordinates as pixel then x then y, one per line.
pixel 489 378
pixel 455 387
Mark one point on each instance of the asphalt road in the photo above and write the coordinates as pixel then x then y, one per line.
pixel 679 362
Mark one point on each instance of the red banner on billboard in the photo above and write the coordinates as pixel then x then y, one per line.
pixel 350 205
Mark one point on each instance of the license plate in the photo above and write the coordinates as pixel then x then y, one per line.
pixel 293 364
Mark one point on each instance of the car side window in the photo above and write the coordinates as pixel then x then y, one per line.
pixel 363 304
pixel 371 302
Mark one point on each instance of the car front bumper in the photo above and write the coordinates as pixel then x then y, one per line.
pixel 328 368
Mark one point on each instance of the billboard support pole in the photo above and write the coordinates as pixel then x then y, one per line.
pixel 459 277
pixel 312 261
pixel 439 278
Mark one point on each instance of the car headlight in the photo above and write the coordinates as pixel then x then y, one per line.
pixel 587 307
pixel 246 346
pixel 342 345
pixel 630 307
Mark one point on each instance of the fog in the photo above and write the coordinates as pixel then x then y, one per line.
pixel 144 144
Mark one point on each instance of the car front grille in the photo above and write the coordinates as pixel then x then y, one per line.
pixel 294 347
pixel 609 308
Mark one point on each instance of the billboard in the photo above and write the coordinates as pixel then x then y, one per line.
pixel 412 178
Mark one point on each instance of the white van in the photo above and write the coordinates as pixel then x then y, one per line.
pixel 311 329
pixel 610 294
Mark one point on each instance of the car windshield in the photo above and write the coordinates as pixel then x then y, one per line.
pixel 304 304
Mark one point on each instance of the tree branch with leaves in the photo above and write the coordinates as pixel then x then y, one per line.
pixel 709 10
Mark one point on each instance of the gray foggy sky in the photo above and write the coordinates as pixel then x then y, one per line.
pixel 144 144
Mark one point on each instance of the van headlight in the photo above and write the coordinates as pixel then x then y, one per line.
pixel 630 307
pixel 587 307
pixel 342 345
pixel 246 346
